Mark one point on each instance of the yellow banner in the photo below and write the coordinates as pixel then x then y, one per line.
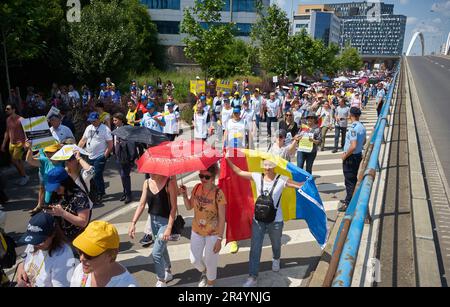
pixel 224 85
pixel 305 145
pixel 197 86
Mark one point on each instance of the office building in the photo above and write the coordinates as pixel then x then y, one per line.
pixel 319 21
pixel 168 14
pixel 373 35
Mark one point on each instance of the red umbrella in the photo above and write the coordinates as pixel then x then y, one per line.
pixel 178 157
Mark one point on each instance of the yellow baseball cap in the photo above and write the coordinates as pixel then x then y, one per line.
pixel 52 148
pixel 98 237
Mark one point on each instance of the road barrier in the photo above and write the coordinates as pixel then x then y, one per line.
pixel 346 246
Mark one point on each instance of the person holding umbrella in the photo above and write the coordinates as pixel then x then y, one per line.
pixel 125 153
pixel 160 193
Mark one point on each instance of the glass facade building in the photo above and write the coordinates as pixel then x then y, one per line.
pixel 326 27
pixel 381 35
pixel 168 14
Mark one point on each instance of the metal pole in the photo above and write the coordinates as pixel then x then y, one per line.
pixel 6 61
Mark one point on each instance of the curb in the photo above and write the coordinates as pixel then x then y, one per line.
pixel 318 275
pixel 427 267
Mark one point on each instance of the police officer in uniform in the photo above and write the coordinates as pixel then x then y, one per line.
pixel 352 155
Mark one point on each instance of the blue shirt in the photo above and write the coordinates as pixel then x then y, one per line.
pixel 46 166
pixel 356 132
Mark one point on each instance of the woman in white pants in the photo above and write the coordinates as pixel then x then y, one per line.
pixel 208 225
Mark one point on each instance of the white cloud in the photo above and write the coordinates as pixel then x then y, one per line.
pixel 443 8
pixel 426 28
pixel 403 2
pixel 437 20
pixel 412 20
pixel 280 3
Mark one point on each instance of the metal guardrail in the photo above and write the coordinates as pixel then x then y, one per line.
pixel 342 264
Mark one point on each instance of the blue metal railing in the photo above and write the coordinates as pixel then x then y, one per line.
pixel 358 207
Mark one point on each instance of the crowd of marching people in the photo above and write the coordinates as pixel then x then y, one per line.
pixel 62 240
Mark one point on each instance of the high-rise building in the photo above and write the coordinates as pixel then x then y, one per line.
pixel 319 21
pixel 168 14
pixel 372 28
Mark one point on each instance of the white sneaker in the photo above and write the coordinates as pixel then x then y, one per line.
pixel 168 277
pixel 161 284
pixel 203 281
pixel 23 181
pixel 276 265
pixel 250 283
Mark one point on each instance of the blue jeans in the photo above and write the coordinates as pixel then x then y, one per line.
pixel 270 120
pixel 125 170
pixel 258 120
pixel 99 167
pixel 160 253
pixel 307 157
pixel 259 230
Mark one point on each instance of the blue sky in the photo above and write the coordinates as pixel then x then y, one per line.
pixel 431 17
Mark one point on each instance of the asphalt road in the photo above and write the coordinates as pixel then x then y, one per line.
pixel 432 79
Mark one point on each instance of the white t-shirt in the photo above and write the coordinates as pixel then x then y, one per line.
pixel 96 140
pixel 46 271
pixel 61 133
pixel 280 152
pixel 276 193
pixel 87 175
pixel 225 117
pixel 200 125
pixel 123 280
pixel 75 95
pixel 148 121
pixel 248 116
pixel 171 120
pixel 272 107
pixel 325 114
pixel 256 104
pixel 236 133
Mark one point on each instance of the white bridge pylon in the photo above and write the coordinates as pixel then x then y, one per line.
pixel 413 40
pixel 447 46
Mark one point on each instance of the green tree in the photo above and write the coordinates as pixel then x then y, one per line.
pixel 270 38
pixel 235 62
pixel 350 59
pixel 302 54
pixel 26 27
pixel 113 38
pixel 206 36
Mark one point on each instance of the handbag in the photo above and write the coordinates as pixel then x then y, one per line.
pixel 178 225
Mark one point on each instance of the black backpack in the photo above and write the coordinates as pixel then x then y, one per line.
pixel 265 210
pixel 8 254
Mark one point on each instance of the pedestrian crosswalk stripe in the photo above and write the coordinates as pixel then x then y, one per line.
pixel 180 252
pixel 331 187
pixel 283 278
pixel 122 228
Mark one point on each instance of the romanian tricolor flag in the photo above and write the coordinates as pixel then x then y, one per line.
pixel 304 203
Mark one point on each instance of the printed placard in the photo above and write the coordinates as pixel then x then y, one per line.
pixel 38 132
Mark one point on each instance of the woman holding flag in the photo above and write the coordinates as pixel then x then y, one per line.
pixel 268 184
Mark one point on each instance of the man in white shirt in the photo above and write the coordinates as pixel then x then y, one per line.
pixel 235 131
pixel 58 130
pixel 99 144
pixel 255 105
pixel 73 94
pixel 273 107
pixel 248 115
pixel 172 119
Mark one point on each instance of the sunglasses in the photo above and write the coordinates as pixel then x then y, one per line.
pixel 85 256
pixel 207 177
pixel 288 115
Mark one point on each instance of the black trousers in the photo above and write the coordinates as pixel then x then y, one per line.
pixel 350 167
